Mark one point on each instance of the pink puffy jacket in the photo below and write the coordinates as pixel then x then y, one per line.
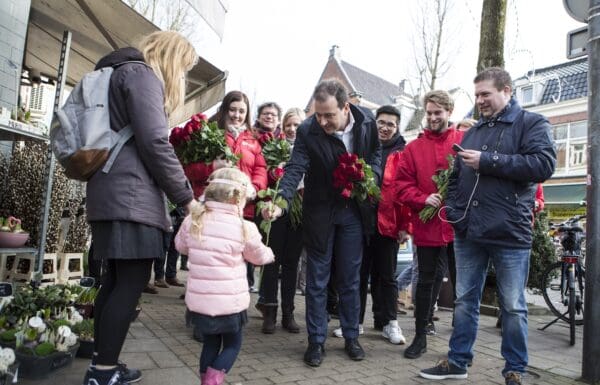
pixel 217 282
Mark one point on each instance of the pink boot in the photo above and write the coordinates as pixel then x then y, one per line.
pixel 214 377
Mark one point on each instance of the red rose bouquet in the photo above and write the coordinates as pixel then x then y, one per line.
pixel 355 178
pixel 200 141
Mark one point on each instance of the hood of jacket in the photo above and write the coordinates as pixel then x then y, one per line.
pixel 119 56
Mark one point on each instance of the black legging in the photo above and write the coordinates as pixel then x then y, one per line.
pixel 122 285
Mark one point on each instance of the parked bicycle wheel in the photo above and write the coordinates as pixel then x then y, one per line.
pixel 556 292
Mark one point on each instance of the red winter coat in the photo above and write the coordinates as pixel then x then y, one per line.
pixel 412 182
pixel 252 163
pixel 392 216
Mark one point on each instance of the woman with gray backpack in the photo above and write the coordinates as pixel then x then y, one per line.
pixel 126 206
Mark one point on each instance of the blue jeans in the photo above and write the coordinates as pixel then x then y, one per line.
pixel 219 351
pixel 345 244
pixel 512 268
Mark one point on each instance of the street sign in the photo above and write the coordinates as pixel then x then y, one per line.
pixel 577 40
pixel 577 9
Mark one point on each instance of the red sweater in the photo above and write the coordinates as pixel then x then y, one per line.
pixel 411 180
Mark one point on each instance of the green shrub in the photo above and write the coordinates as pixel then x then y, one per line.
pixel 542 252
pixel 44 349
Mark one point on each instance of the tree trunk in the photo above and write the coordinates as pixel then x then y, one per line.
pixel 491 38
pixel 491 54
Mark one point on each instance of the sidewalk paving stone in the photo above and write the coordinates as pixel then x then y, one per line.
pixel 161 345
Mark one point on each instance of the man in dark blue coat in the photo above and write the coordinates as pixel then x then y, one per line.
pixel 334 227
pixel 490 199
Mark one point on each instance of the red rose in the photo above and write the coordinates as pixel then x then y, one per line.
pixel 361 175
pixel 353 158
pixel 203 118
pixel 189 128
pixel 278 173
pixel 346 193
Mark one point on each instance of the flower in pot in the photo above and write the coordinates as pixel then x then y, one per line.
pixel 11 233
pixel 7 364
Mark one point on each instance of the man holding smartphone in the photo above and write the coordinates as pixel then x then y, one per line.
pixel 422 158
pixel 490 198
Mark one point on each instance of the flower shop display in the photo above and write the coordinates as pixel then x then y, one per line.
pixel 355 178
pixel 11 233
pixel 200 141
pixel 441 179
pixel 37 324
pixel 22 191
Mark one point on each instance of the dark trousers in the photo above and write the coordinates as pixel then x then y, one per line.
pixel 379 264
pixel 171 257
pixel 344 245
pixel 219 351
pixel 123 282
pixel 432 263
pixel 286 243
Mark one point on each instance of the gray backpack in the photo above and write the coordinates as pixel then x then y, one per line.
pixel 80 135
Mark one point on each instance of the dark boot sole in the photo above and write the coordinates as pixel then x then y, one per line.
pixel 412 356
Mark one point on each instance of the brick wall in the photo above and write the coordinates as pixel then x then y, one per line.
pixel 14 15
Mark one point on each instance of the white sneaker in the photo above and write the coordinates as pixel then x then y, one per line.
pixel 339 334
pixel 393 333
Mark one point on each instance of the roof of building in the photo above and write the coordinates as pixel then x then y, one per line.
pixel 565 81
pixel 372 87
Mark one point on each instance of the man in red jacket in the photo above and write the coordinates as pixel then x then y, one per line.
pixel 414 187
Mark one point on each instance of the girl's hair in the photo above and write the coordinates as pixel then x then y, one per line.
pixel 293 112
pixel 232 96
pixel 170 55
pixel 225 185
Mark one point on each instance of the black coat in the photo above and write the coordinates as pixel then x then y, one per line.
pixel 315 157
pixel 517 153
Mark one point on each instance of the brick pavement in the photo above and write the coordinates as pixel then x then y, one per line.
pixel 161 345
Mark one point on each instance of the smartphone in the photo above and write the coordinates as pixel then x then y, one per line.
pixel 457 148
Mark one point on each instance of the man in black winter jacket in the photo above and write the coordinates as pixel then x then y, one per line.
pixel 334 227
pixel 490 199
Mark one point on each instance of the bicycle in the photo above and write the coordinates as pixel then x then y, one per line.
pixel 564 281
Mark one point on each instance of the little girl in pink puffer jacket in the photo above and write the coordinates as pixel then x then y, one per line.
pixel 218 241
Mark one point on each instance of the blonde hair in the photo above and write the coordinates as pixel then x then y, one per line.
pixel 225 185
pixel 466 123
pixel 293 112
pixel 170 55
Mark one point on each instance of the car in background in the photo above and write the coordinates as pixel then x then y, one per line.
pixel 405 256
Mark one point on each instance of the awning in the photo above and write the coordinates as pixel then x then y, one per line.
pixel 564 194
pixel 98 27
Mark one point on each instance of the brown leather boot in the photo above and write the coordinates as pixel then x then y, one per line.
pixel 270 319
pixel 289 323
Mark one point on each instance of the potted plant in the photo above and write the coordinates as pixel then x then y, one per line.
pixel 11 233
pixel 8 366
pixel 85 331
pixel 37 324
pixel 44 345
pixel 85 301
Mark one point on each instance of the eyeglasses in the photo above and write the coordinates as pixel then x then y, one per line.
pixel 382 123
pixel 271 114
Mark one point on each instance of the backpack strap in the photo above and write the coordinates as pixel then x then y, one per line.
pixel 125 134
